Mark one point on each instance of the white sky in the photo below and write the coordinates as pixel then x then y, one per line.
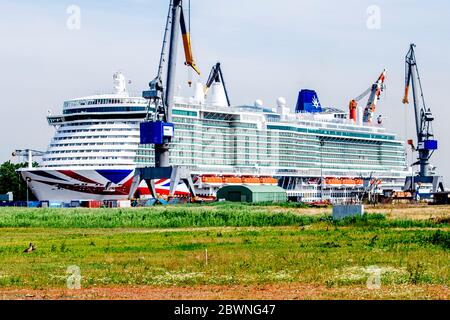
pixel 268 48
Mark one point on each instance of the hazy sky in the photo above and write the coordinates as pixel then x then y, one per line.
pixel 268 48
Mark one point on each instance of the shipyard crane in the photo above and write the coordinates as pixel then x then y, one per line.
pixel 216 75
pixel 28 154
pixel 161 95
pixel 426 144
pixel 158 129
pixel 375 92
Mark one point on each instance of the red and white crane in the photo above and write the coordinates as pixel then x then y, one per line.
pixel 375 93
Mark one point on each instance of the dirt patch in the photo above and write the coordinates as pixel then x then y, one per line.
pixel 393 211
pixel 291 291
pixel 420 212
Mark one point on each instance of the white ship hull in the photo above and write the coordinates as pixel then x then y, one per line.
pixel 65 185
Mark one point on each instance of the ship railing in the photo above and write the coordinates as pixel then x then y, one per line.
pixel 313 117
pixel 331 123
pixel 131 93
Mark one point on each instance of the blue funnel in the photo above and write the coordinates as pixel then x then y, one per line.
pixel 308 101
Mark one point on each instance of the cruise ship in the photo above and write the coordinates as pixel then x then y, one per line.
pixel 316 153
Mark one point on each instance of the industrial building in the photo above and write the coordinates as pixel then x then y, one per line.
pixel 252 193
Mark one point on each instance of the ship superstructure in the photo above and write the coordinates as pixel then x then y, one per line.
pixel 315 153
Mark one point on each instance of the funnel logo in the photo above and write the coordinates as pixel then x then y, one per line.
pixel 308 101
pixel 315 102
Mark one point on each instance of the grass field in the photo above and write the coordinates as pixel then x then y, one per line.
pixel 253 252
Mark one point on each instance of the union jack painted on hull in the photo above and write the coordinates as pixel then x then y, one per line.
pixel 90 184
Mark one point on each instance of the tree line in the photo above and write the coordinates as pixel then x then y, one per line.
pixel 12 181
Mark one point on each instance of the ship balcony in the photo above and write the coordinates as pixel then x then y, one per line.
pixel 55 120
pixel 104 116
pixel 86 162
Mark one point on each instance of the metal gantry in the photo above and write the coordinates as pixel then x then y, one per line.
pixel 426 144
pixel 158 128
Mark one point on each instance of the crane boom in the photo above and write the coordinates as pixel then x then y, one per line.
pixel 28 154
pixel 363 95
pixel 187 44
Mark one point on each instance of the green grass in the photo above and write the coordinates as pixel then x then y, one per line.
pixel 236 256
pixel 181 216
pixel 157 217
pixel 246 245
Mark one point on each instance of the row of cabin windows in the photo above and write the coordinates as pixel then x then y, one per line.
pixel 103 101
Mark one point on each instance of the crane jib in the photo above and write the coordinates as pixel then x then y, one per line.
pixel 187 44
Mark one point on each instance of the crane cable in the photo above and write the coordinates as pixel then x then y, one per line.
pixel 189 70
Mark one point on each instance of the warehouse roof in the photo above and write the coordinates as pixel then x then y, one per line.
pixel 258 188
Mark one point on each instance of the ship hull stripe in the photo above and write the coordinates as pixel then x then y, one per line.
pixel 115 176
pixel 45 174
pixel 77 176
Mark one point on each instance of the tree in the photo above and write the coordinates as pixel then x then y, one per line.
pixel 10 180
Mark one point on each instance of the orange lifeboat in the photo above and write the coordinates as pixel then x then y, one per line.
pixel 333 181
pixel 268 180
pixel 212 179
pixel 232 179
pixel 348 181
pixel 250 179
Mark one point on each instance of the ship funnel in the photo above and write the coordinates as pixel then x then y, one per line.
pixel 218 98
pixel 120 86
pixel 199 94
pixel 308 101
